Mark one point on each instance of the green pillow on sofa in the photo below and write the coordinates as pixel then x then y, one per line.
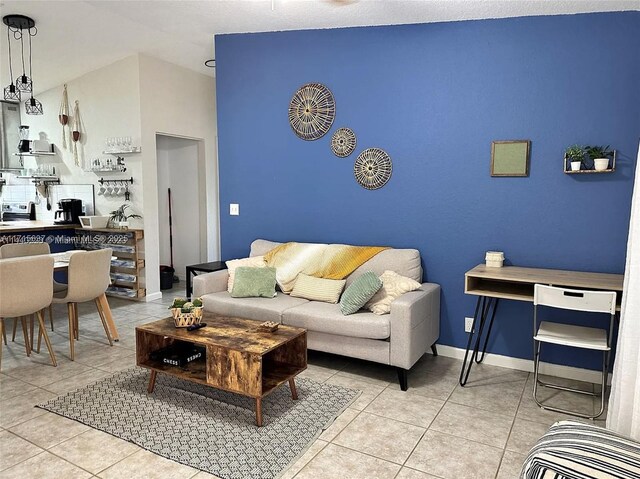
pixel 254 283
pixel 359 292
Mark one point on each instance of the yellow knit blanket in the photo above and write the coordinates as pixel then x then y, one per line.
pixel 331 261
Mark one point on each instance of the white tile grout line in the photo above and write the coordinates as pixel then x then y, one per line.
pixel 524 389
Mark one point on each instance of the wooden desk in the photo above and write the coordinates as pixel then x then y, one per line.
pixel 517 283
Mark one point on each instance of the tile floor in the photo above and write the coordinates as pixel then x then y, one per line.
pixel 434 430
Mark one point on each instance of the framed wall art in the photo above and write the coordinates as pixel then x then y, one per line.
pixel 510 158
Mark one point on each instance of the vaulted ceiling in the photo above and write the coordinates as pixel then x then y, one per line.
pixel 75 37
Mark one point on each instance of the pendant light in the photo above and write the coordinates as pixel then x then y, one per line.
pixel 11 93
pixel 17 24
pixel 23 82
pixel 32 106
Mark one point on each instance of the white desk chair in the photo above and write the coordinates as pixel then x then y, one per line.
pixel 573 336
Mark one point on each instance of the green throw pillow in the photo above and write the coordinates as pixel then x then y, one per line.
pixel 359 292
pixel 254 283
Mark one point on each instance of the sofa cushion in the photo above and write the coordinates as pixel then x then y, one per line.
pixel 317 289
pixel 254 282
pixel 360 291
pixel 232 265
pixel 260 309
pixel 327 318
pixel 405 262
pixel 261 247
pixel 393 286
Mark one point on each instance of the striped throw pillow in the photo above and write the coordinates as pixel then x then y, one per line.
pixel 318 289
pixel 359 292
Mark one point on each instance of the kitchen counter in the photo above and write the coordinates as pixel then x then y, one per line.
pixel 31 226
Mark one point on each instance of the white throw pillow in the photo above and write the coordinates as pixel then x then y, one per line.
pixel 393 286
pixel 252 262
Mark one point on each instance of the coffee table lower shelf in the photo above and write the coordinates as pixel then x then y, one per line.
pixel 197 372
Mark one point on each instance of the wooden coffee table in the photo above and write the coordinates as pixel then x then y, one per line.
pixel 239 358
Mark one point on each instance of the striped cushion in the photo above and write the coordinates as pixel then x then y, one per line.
pixel 318 289
pixel 571 450
pixel 359 292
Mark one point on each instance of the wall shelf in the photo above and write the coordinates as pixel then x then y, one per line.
pixel 580 172
pixel 135 149
pixel 569 171
pixel 40 178
pixel 38 153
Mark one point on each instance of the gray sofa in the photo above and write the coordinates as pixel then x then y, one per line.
pixel 397 339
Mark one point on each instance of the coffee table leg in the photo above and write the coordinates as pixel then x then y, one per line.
pixel 259 412
pixel 152 382
pixel 294 391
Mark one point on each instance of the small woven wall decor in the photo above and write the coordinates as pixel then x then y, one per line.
pixel 372 168
pixel 343 142
pixel 312 111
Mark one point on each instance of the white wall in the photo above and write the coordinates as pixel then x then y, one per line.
pixel 177 102
pixel 109 102
pixel 178 169
pixel 139 96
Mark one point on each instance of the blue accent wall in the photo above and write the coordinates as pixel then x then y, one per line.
pixel 434 96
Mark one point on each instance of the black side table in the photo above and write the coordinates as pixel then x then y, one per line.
pixel 195 269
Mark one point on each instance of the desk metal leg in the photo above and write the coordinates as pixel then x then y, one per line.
pixel 484 307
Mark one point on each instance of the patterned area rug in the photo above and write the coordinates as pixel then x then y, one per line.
pixel 205 428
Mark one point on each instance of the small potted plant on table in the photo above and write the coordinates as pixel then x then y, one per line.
pixel 600 156
pixel 119 217
pixel 575 155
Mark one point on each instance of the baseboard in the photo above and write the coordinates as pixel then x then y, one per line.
pixel 557 370
pixel 153 296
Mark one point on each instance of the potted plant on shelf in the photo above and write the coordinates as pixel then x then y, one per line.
pixel 119 217
pixel 575 155
pixel 600 156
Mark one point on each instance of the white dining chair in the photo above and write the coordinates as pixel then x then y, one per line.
pixel 26 288
pixel 19 250
pixel 574 336
pixel 88 279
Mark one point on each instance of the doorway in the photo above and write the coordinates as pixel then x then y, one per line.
pixel 178 170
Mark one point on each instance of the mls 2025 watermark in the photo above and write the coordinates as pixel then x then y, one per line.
pixel 81 240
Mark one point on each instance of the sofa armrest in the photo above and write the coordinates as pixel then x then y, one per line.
pixel 210 283
pixel 415 325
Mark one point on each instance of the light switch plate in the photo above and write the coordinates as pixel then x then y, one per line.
pixel 234 209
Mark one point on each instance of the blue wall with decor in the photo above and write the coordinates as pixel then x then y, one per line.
pixel 434 96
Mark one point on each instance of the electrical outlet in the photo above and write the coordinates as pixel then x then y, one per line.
pixel 234 209
pixel 468 324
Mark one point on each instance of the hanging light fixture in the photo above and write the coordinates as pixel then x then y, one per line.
pixel 11 93
pixel 32 106
pixel 17 24
pixel 23 82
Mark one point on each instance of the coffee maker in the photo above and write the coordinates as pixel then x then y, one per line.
pixel 70 210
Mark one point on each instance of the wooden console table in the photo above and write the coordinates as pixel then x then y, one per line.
pixel 517 283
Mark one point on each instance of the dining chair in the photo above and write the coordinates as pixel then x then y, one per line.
pixel 18 250
pixel 574 336
pixel 88 279
pixel 28 291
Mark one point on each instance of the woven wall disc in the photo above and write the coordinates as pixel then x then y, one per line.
pixel 312 111
pixel 372 168
pixel 343 142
